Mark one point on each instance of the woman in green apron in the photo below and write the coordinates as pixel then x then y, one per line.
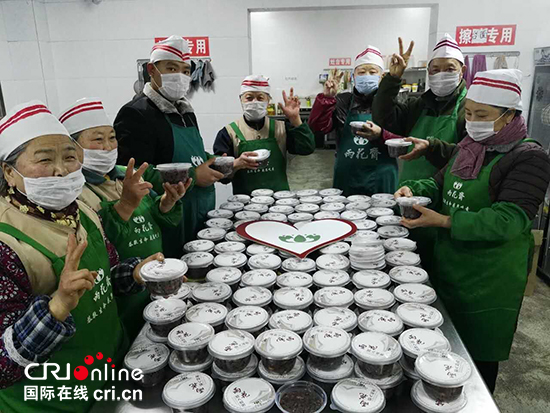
pixel 488 194
pixel 59 274
pixel 255 130
pixel 362 165
pixel 132 215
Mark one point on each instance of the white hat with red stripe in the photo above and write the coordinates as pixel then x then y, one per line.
pixel 371 55
pixel 255 83
pixel 447 48
pixel 84 114
pixel 172 48
pixel 25 122
pixel 500 87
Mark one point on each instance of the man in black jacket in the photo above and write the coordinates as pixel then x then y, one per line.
pixel 159 126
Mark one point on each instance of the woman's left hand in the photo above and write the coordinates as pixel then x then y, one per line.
pixel 429 218
pixel 172 194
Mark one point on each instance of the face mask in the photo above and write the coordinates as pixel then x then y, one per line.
pixel 479 131
pixel 54 192
pixel 254 110
pixel 444 83
pixel 366 84
pixel 174 85
pixel 99 161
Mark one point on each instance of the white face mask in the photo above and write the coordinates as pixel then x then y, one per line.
pixel 444 83
pixel 254 110
pixel 99 161
pixel 54 192
pixel 481 130
pixel 174 85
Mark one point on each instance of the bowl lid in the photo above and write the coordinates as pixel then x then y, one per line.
pixel 381 321
pixel 382 196
pixel 167 270
pixel 343 371
pixel 284 194
pixel 333 262
pixel 400 244
pixel 333 297
pixel 177 366
pixel 371 279
pixel 376 348
pixel 359 198
pixel 330 192
pixel 232 206
pixel 393 231
pixel 211 233
pixel 388 220
pixel 249 395
pixel 293 320
pixel 416 341
pixel 188 391
pixel 219 223
pixel 331 278
pixel 358 396
pixel 247 318
pixel 314 199
pixel 324 341
pixel 336 248
pixel 231 345
pixel 306 192
pixel 171 166
pixel 293 297
pixel 374 298
pixel 278 344
pixel 297 264
pixel 397 258
pixel 379 212
pixel 259 208
pixel 281 209
pixel 148 357
pixel 354 215
pixel 164 311
pixel 220 213
pixel 248 371
pixel 190 336
pixel 230 259
pixel 415 293
pixel 300 216
pixel 210 313
pixel 245 199
pixel 293 375
pixel 400 143
pixel 343 318
pixel 198 259
pixel 256 296
pixel 261 154
pixel 199 245
pixel 426 403
pixel 262 192
pixel 272 216
pixel 394 380
pixel 255 249
pixel 408 274
pixel 419 315
pixel 423 200
pixel 229 246
pixel 211 292
pixel 263 200
pixel 182 293
pixel 295 279
pixel 359 206
pixel 233 236
pixel 309 208
pixel 246 215
pixel 227 275
pixel 333 206
pixel 365 224
pixel 327 215
pixel 265 262
pixel 288 202
pixel 443 368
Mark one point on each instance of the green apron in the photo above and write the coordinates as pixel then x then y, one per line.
pixel 273 176
pixel 363 168
pixel 481 283
pixel 189 148
pixel 98 330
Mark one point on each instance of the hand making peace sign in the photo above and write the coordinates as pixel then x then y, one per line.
pixel 330 88
pixel 291 108
pixel 399 62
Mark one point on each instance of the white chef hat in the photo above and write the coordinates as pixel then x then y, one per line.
pixel 255 83
pixel 500 87
pixel 173 48
pixel 84 114
pixel 447 47
pixel 25 122
pixel 371 55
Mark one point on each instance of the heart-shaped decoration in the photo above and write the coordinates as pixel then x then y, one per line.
pixel 297 241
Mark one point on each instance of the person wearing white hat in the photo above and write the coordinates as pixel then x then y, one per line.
pixel 59 273
pixel 133 215
pixel 160 126
pixel 362 166
pixel 488 195
pixel 255 130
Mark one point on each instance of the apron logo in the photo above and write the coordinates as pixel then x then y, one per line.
pixel 360 141
pixel 100 276
pixel 139 219
pixel 299 238
pixel 362 154
pixel 197 161
pixel 457 185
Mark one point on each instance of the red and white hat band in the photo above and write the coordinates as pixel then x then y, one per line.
pixel 173 48
pixel 500 87
pixel 84 114
pixel 447 48
pixel 371 55
pixel 255 83
pixel 184 57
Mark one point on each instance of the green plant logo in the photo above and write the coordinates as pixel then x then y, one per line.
pixel 296 239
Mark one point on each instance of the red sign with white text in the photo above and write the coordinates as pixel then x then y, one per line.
pixel 198 46
pixel 339 61
pixel 470 36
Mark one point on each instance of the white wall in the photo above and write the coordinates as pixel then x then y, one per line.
pixel 298 44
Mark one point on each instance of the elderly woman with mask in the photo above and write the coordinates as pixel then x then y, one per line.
pixel 254 131
pixel 487 197
pixel 133 215
pixel 58 272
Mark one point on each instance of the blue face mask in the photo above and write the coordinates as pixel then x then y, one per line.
pixel 366 84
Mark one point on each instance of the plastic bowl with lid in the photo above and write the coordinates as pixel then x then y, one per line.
pixel 354 215
pixel 251 319
pixel 255 296
pixel 376 353
pixel 359 198
pixel 199 263
pixel 199 245
pixel 181 294
pixel 335 198
pixel 229 246
pixel 443 374
pixel 333 297
pixel 326 347
pixel 383 203
pixel 262 192
pixel 328 378
pixel 261 277
pixel 388 220
pixel 416 341
pixel 278 350
pixel 164 314
pixel 359 206
pixel 408 274
pixel 259 208
pixel 222 223
pixel 209 313
pixel 245 199
pixel 163 278
pixel 250 395
pixel 307 208
pixel 406 206
pixel 231 350
pixel 333 262
pixel 261 157
pixel 330 192
pixel 357 126
pixel 232 206
pixel 269 262
pixel 374 299
pixel 293 298
pixel 226 378
pixel 306 192
pixel 189 392
pixel 331 278
pixel 334 207
pixel 300 217
pixel 296 264
pixel 342 318
pixel 178 367
pixel 211 292
pixel 212 234
pixel 293 320
pixel 190 341
pixel 263 200
pixel 220 213
pixel 400 244
pixel 277 380
pixel 371 279
pixel 224 165
pixel 365 225
pixel 227 275
pixel 388 385
pixel 247 215
pixel 392 231
pixel 430 405
pixel 174 173
pixel 231 259
pixel 234 237
pixel 399 258
pixel 381 321
pixel 347 396
pixel 314 199
pixel 414 293
pixel 376 212
pixel 397 147
pixel 256 249
pixel 294 279
pixel 281 209
pixel 291 202
pixel 272 216
pixel 416 315
pixel 301 397
pixel 284 194
pixel 326 215
pixel 151 359
pixel 339 248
